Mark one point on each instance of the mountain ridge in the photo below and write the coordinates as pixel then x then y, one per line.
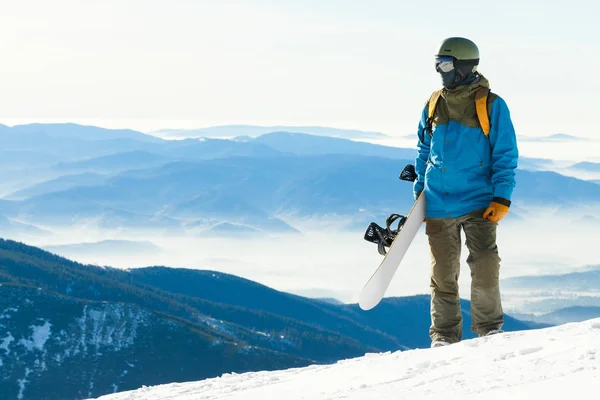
pixel 281 330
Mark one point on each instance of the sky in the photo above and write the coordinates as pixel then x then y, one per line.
pixel 553 364
pixel 152 64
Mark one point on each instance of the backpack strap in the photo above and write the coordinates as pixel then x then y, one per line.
pixel 433 100
pixel 481 98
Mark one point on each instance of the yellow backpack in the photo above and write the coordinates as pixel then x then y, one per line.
pixel 481 98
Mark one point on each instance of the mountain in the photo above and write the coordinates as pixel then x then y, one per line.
pixel 567 315
pixel 545 294
pixel 112 247
pixel 41 152
pixel 61 210
pixel 17 229
pixel 59 184
pixel 63 316
pixel 545 187
pixel 231 131
pixel 225 207
pixel 210 149
pixel 76 131
pixel 69 142
pixel 587 166
pixel 227 230
pixel 559 137
pixel 16 159
pixel 219 287
pixel 303 144
pixel 78 143
pixel 546 302
pixel 73 156
pixel 197 293
pixel 265 191
pixel 67 148
pixel 186 293
pixel 114 162
pixel 582 282
pixel 262 184
pixel 60 347
pixel 363 188
pixel 336 184
pixel 555 364
pixel 536 164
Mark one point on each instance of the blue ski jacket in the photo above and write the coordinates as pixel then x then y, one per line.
pixel 459 169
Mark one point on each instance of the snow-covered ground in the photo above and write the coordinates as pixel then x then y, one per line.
pixel 555 363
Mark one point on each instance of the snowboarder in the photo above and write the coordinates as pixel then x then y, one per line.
pixel 466 162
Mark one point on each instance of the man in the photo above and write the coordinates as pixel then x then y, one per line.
pixel 467 156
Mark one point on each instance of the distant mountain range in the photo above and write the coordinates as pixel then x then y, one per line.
pixel 559 137
pixel 115 162
pixel 76 131
pixel 565 315
pixel 544 294
pixel 121 179
pixel 72 331
pixel 59 184
pixel 112 247
pixel 18 159
pixel 584 282
pixel 546 187
pixel 587 166
pixel 302 144
pixel 256 191
pixel 232 131
pixel 15 229
pixel 536 164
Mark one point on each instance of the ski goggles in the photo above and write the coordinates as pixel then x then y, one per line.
pixel 444 63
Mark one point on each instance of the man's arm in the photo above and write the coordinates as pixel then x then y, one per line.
pixel 423 154
pixel 505 153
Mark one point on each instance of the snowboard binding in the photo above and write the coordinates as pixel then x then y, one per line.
pixel 408 173
pixel 384 237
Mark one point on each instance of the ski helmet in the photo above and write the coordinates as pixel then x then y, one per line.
pixel 457 60
pixel 460 49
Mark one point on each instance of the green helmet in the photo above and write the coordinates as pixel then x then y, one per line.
pixel 459 48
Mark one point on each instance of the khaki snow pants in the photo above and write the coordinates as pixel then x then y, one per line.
pixel 444 235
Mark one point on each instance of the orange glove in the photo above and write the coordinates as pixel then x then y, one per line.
pixel 495 212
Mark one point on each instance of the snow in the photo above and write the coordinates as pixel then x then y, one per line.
pixel 39 337
pixel 217 325
pixel 550 363
pixel 23 383
pixel 6 342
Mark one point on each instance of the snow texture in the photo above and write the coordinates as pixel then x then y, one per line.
pixel 554 363
pixel 22 384
pixel 5 343
pixel 39 336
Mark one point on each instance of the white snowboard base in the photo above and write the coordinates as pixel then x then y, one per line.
pixel 375 288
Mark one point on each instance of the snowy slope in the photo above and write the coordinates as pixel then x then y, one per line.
pixel 553 363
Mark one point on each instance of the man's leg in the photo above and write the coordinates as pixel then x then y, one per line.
pixel 445 245
pixel 484 261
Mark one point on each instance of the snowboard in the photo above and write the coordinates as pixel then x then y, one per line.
pixel 375 288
